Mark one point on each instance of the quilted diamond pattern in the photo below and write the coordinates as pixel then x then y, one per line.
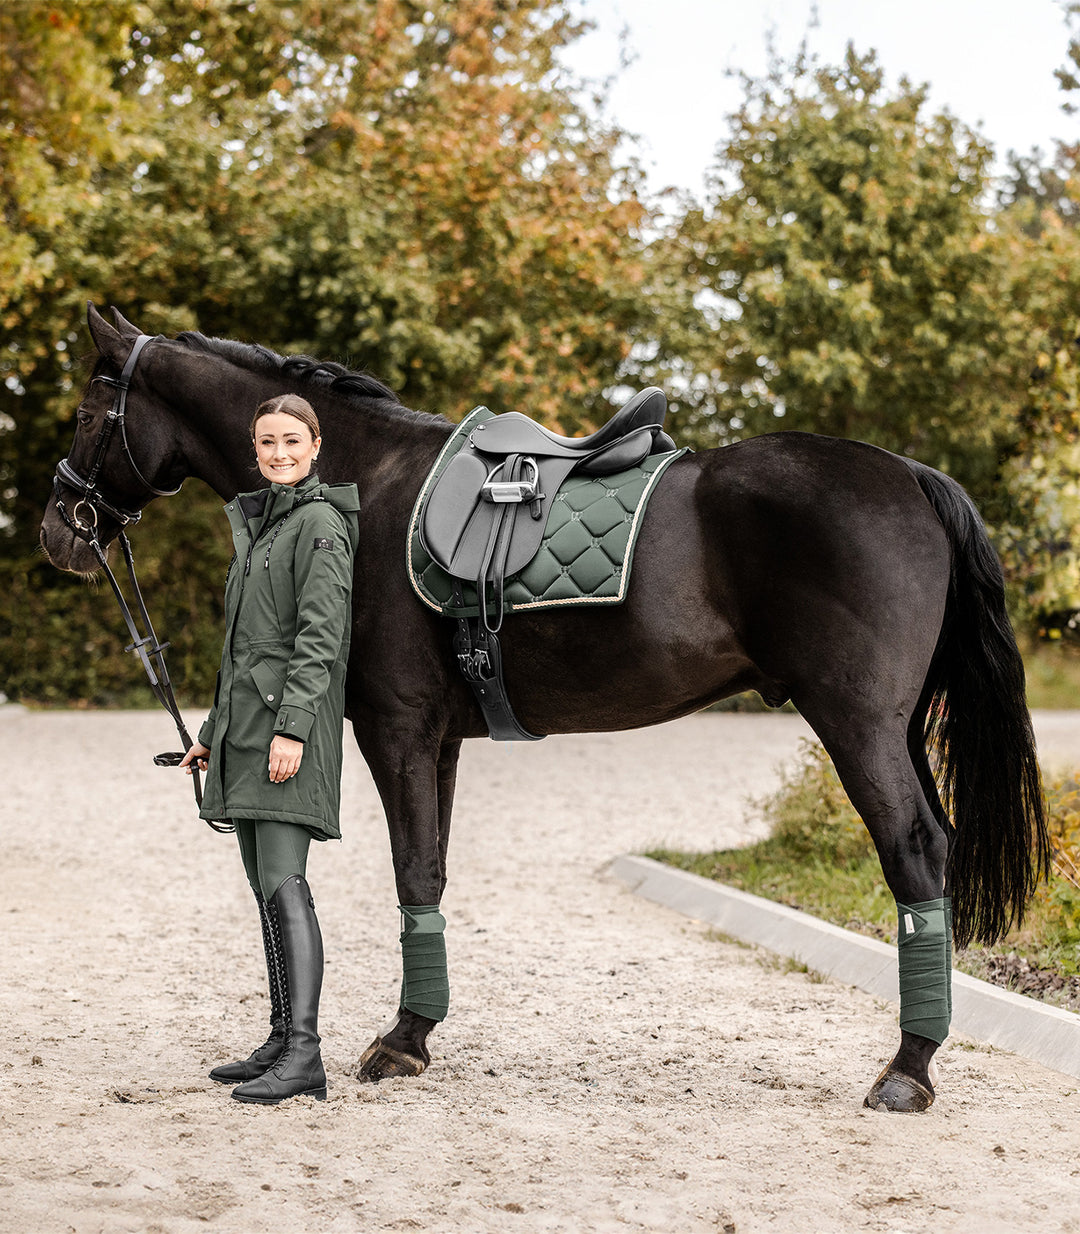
pixel 586 551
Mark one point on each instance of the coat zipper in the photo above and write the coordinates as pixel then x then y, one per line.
pixel 281 523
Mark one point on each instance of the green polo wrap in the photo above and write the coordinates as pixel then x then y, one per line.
pixel 425 984
pixel 923 941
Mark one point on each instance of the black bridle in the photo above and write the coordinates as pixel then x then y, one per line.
pixel 91 499
pixel 83 521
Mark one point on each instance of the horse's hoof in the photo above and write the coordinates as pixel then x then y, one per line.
pixel 899 1094
pixel 369 1052
pixel 380 1062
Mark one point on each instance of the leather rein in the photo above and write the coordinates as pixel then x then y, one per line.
pixel 83 521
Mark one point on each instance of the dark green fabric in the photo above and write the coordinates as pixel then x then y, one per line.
pixel 588 546
pixel 425 985
pixel 925 968
pixel 287 627
pixel 272 852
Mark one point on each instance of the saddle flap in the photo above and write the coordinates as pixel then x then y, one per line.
pixel 457 521
pixel 450 506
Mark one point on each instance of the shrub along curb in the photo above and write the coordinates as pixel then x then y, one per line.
pixel 986 1012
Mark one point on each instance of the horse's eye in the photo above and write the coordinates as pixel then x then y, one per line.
pixel 85 418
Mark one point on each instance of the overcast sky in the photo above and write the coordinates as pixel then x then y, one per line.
pixel 990 62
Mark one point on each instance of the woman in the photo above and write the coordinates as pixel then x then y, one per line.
pixel 271 745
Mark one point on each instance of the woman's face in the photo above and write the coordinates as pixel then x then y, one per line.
pixel 284 448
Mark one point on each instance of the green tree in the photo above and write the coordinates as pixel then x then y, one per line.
pixel 847 271
pixel 1035 231
pixel 60 119
pixel 1039 529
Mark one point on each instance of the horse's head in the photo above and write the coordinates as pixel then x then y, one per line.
pixel 119 460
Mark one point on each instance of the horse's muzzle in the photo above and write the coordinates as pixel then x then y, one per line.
pixel 63 548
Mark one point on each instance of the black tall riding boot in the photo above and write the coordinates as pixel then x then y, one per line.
pixel 267 1054
pixel 298 1071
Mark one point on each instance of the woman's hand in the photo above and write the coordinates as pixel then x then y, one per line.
pixel 285 756
pixel 198 754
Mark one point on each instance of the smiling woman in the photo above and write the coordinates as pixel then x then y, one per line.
pixel 271 746
pixel 285 431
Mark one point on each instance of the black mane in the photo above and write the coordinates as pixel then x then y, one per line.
pixel 324 373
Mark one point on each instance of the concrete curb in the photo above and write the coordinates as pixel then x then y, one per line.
pixel 986 1012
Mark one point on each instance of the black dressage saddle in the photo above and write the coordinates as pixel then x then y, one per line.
pixel 484 518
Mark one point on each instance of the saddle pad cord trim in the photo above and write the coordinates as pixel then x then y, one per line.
pixel 635 526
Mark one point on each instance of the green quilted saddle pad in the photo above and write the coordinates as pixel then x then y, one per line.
pixel 587 549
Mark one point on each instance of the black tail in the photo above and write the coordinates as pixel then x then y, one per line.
pixel 978 722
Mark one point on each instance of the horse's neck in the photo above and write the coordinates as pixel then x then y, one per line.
pixel 362 438
pixel 378 446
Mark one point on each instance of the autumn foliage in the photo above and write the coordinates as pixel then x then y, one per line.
pixel 424 191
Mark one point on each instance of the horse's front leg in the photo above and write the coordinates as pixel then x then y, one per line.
pixel 416 783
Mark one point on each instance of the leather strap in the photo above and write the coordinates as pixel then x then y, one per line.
pixel 480 660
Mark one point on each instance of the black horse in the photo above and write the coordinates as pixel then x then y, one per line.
pixel 859 584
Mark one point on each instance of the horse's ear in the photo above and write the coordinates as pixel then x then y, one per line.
pixel 123 325
pixel 107 340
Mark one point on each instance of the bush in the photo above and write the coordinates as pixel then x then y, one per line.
pixel 810 815
pixel 1059 897
pixel 819 857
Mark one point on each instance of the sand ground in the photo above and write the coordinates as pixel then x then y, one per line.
pixel 607 1064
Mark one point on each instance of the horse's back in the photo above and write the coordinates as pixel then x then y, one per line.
pixel 830 506
pixel 790 471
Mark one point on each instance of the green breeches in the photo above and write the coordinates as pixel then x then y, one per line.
pixel 425 984
pixel 271 853
pixel 924 943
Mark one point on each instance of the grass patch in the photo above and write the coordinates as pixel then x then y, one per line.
pixel 1052 668
pixel 819 858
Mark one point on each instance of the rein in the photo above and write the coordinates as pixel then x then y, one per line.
pixel 83 521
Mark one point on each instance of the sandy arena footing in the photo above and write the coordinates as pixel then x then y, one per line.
pixel 607 1065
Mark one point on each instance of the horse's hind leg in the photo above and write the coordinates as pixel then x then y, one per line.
pixel 881 777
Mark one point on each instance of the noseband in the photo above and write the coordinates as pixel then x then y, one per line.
pixel 83 521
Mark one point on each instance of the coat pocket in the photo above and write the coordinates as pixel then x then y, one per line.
pixel 270 682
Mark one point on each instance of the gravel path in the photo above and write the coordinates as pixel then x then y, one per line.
pixel 607 1065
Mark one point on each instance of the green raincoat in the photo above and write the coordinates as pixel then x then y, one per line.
pixel 287 625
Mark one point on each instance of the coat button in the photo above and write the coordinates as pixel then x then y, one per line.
pixel 269 698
